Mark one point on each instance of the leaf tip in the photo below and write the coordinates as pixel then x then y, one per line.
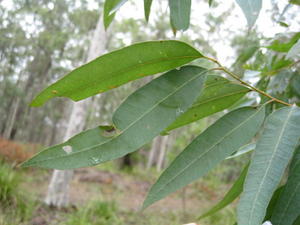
pixel 25 164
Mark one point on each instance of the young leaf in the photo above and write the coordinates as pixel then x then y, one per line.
pixel 147 8
pixel 219 94
pixel 271 156
pixel 180 11
pixel 141 117
pixel 250 9
pixel 287 207
pixel 119 67
pixel 216 143
pixel 109 10
pixel 231 195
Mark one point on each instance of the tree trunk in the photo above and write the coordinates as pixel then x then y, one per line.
pixel 153 152
pixel 162 153
pixel 11 118
pixel 58 190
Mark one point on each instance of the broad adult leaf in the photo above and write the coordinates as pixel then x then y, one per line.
pixel 287 207
pixel 141 117
pixel 219 94
pixel 147 8
pixel 251 9
pixel 119 67
pixel 216 143
pixel 271 156
pixel 180 11
pixel 109 10
pixel 231 195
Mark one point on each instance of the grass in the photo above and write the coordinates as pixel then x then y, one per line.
pixel 96 213
pixel 119 198
pixel 15 207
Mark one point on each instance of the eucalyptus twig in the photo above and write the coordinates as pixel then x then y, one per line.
pixel 236 77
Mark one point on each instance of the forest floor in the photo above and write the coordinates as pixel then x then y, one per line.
pixel 105 195
pixel 124 192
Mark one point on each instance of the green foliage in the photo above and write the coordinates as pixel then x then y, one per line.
pixel 8 184
pixel 273 151
pixel 96 213
pixel 230 196
pixel 280 46
pixel 294 52
pixel 182 96
pixel 243 150
pixel 219 94
pixel 296 2
pixel 109 10
pixel 147 8
pixel 144 115
pixel 119 67
pixel 251 10
pixel 11 199
pixel 287 207
pixel 180 11
pixel 207 150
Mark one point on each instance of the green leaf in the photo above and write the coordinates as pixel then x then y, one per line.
pixel 180 11
pixel 119 67
pixel 147 8
pixel 250 9
pixel 216 143
pixel 210 2
pixel 141 117
pixel 297 221
pixel 279 46
pixel 243 150
pixel 294 52
pixel 271 156
pixel 295 2
pixel 283 24
pixel 219 94
pixel 109 10
pixel 273 202
pixel 287 207
pixel 295 83
pixel 231 195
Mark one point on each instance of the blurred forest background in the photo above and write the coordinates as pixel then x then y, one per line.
pixel 42 40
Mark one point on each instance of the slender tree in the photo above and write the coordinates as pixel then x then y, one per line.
pixel 58 190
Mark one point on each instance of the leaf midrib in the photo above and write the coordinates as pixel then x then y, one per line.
pixel 197 158
pixel 291 197
pixel 269 166
pixel 219 97
pixel 121 72
pixel 130 125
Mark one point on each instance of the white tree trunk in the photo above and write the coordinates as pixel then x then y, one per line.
pixel 158 152
pixel 58 190
pixel 162 153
